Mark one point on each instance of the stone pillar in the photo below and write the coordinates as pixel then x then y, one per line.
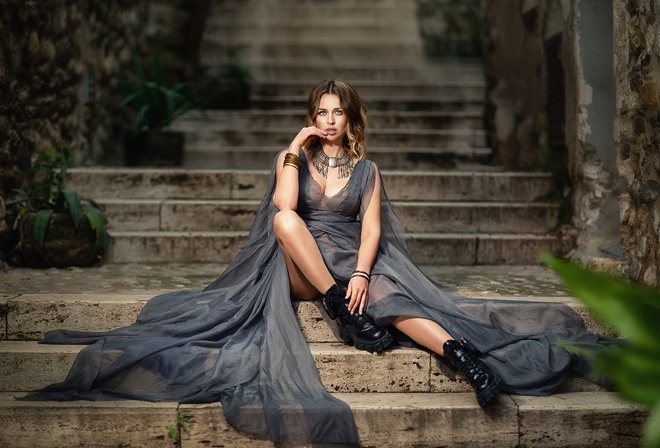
pixel 637 133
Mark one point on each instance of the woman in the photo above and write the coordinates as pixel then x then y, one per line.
pixel 333 144
pixel 325 228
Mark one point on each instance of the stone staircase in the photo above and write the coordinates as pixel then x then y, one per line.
pixel 471 225
pixel 400 398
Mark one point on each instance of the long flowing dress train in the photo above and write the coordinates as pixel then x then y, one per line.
pixel 238 340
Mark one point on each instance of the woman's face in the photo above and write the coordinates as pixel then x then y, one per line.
pixel 331 119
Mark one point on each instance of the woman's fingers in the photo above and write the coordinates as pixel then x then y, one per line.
pixel 307 133
pixel 356 293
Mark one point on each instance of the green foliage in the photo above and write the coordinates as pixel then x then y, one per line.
pixel 184 422
pixel 450 28
pixel 156 104
pixel 634 311
pixel 228 88
pixel 45 194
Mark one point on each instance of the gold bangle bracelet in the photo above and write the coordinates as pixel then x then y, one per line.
pixel 293 159
pixel 292 164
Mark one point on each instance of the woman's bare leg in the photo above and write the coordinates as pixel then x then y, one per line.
pixel 486 383
pixel 423 331
pixel 308 274
pixel 310 277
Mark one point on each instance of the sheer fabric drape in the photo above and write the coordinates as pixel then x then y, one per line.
pixel 238 341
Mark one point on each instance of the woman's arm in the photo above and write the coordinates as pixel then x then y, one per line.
pixel 358 286
pixel 285 196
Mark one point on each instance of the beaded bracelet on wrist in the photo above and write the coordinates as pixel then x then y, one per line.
pixel 359 274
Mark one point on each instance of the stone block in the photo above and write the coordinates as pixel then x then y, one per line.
pixel 100 424
pixel 210 428
pixel 33 314
pixel 500 217
pixel 433 420
pixel 442 248
pixel 150 183
pixel 29 366
pixel 514 249
pixel 444 378
pixel 250 184
pixel 184 247
pixel 207 215
pixel 345 369
pixel 132 214
pixel 467 186
pixel 579 419
pixel 315 325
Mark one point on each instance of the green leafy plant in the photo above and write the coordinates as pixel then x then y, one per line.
pixel 184 422
pixel 634 311
pixel 156 104
pixel 45 195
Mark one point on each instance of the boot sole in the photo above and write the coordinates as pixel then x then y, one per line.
pixel 487 395
pixel 369 346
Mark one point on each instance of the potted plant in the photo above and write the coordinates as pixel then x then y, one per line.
pixel 156 106
pixel 52 226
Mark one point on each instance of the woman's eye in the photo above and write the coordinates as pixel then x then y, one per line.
pixel 339 112
pixel 322 113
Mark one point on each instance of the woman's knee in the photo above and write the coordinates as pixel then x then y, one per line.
pixel 286 222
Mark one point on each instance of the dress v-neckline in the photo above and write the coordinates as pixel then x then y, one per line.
pixel 318 185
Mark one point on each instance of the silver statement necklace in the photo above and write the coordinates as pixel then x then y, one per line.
pixel 322 162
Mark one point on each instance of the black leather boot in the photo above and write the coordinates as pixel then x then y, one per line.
pixel 354 329
pixel 483 380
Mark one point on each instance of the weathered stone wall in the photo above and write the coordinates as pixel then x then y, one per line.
pixel 60 65
pixel 516 38
pixel 515 75
pixel 637 133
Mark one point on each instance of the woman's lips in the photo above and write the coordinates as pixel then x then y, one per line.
pixel 331 131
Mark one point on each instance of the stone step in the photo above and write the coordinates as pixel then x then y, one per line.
pixel 312 14
pixel 370 52
pixel 462 101
pixel 30 366
pixel 200 215
pixel 395 158
pixel 380 89
pixel 209 120
pixel 406 420
pixel 425 248
pixel 104 306
pixel 159 183
pixel 350 70
pixel 452 139
pixel 296 32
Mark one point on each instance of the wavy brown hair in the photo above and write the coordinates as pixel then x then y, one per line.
pixel 351 106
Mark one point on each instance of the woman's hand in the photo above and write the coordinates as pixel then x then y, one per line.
pixel 305 134
pixel 357 294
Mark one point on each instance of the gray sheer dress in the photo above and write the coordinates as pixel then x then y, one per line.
pixel 238 341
